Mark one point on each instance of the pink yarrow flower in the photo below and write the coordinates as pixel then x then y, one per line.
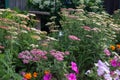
pixel 58 55
pixel 33 55
pixel 72 37
pixel 107 52
pixel 87 28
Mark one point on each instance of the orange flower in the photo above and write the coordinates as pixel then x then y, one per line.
pixel 118 46
pixel 46 72
pixel 112 47
pixel 35 74
pixel 28 76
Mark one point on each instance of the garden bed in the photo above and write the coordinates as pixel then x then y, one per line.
pixel 67 54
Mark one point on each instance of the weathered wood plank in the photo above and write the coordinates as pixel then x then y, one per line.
pixel 39 12
pixel 20 4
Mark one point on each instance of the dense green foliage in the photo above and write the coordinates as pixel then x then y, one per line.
pixel 93 37
pixel 83 36
pixel 116 16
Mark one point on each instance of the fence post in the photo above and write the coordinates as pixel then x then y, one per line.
pixel 119 4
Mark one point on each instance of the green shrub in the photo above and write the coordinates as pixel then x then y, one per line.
pixel 116 17
pixel 94 32
pixel 16 35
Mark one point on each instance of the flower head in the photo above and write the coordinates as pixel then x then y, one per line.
pixel 107 77
pixel 35 74
pixel 112 47
pixel 58 55
pixel 118 46
pixel 107 52
pixel 47 77
pixel 72 37
pixel 28 76
pixel 113 62
pixel 87 28
pixel 74 67
pixel 102 68
pixel 71 76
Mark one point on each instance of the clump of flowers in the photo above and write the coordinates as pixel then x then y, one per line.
pixel 72 76
pixel 115 48
pixel 41 60
pixel 115 62
pixel 28 75
pixel 37 54
pixel 47 76
pixel 33 55
pixel 102 68
pixel 58 55
pixel 109 69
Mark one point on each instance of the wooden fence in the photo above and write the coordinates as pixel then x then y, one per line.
pixel 2 4
pixel 20 4
pixel 111 5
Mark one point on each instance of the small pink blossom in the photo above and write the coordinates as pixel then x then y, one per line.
pixel 96 29
pixel 107 52
pixel 58 54
pixel 25 61
pixel 87 28
pixel 71 76
pixel 47 77
pixel 67 52
pixel 59 57
pixel 22 73
pixel 74 67
pixel 72 37
pixel 113 63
